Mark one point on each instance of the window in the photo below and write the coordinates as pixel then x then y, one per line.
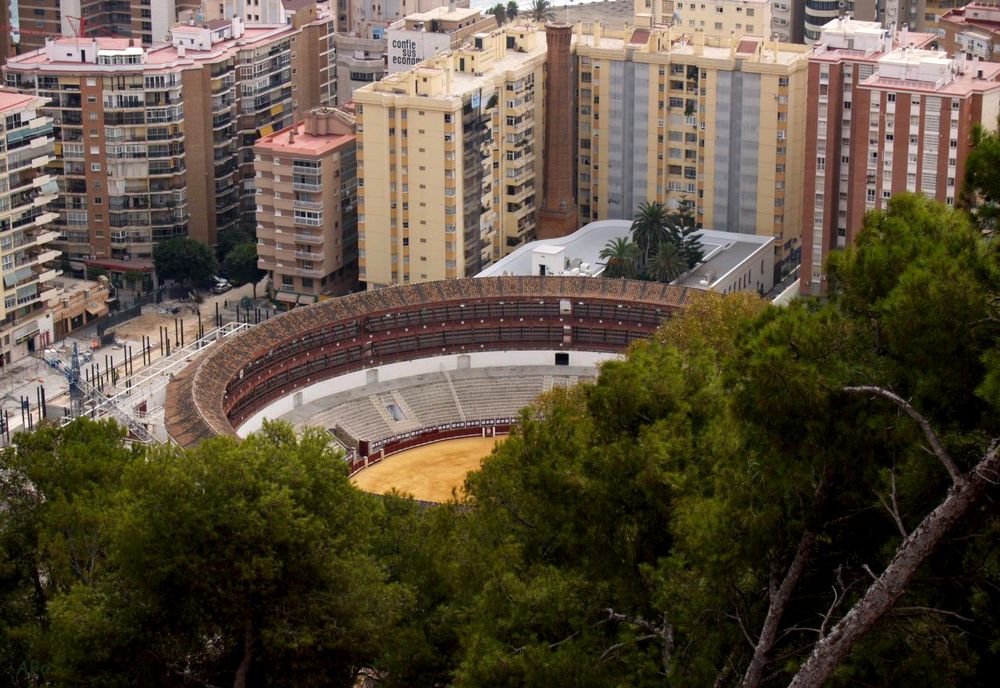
pixel 95 167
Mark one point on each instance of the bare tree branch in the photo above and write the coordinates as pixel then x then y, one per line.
pixel 779 596
pixel 893 506
pixel 913 413
pixel 931 610
pixel 883 593
pixel 665 632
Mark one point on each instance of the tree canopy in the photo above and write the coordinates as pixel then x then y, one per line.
pixel 753 496
pixel 240 265
pixel 667 242
pixel 184 260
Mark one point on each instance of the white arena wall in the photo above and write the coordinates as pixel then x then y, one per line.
pixel 418 366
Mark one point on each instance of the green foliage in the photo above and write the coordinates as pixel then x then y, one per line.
pixel 184 260
pixel 542 11
pixel 981 189
pixel 667 264
pixel 499 12
pixel 240 264
pixel 621 257
pixel 630 532
pixel 232 238
pixel 512 10
pixel 668 241
pixel 185 565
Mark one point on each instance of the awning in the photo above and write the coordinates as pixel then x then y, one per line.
pixel 26 332
pixel 12 278
pixel 286 297
pixel 94 310
pixel 277 109
pixel 266 130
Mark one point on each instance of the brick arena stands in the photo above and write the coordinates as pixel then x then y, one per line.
pixel 240 376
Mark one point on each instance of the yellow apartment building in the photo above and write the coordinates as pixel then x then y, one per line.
pixel 667 115
pixel 448 157
pixel 724 18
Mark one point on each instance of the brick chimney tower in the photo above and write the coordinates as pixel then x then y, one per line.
pixel 559 215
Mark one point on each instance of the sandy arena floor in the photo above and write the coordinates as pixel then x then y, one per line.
pixel 429 472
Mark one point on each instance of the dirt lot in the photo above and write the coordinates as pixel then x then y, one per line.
pixel 149 324
pixel 430 472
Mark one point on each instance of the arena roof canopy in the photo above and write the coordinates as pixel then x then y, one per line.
pixel 244 373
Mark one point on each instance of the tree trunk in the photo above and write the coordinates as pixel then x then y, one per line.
pixel 240 680
pixel 884 592
pixel 775 610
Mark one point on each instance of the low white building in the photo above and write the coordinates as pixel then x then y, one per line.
pixel 731 261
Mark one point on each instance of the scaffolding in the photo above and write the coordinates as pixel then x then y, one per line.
pixel 139 406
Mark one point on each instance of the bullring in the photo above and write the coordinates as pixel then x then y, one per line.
pixel 243 374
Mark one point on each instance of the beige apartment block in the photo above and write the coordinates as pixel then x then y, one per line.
pixel 307 230
pixel 157 142
pixel 724 18
pixel 26 193
pixel 450 154
pixel 668 116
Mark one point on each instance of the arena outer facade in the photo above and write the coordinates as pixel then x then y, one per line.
pixel 243 374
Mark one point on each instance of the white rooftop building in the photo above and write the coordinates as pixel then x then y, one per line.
pixel 731 261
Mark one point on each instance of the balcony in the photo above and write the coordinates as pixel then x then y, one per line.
pixel 315 239
pixel 307 205
pixel 308 255
pixel 302 185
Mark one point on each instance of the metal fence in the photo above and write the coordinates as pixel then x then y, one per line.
pixel 121 316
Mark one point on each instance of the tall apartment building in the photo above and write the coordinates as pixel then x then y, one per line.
pixel 416 37
pixel 370 18
pixel 724 18
pixel 787 20
pixel 718 122
pixel 250 11
pixel 646 13
pixel 148 21
pixel 154 143
pixel 973 30
pixel 26 236
pixel 360 61
pixel 307 221
pixel 885 116
pixel 819 13
pixel 449 159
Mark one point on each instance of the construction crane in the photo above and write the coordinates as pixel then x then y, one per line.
pixel 81 391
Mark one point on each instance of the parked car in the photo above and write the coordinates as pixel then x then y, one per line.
pixel 221 287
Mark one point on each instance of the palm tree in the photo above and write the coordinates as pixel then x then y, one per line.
pixel 668 264
pixel 621 257
pixel 512 10
pixel 499 13
pixel 542 11
pixel 649 228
